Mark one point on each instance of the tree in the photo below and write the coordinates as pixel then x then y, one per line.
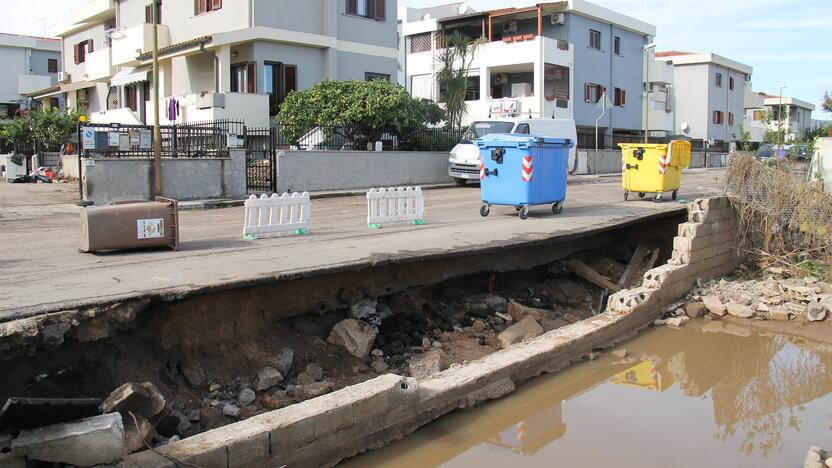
pixel 745 138
pixel 46 128
pixel 826 105
pixel 454 61
pixel 357 110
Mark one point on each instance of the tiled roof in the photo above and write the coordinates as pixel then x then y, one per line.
pixel 177 46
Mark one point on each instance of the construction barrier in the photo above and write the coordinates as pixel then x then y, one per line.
pixel 395 205
pixel 276 215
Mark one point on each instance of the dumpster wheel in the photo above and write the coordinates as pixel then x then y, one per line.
pixel 557 208
pixel 626 195
pixel 658 198
pixel 641 194
pixel 485 209
pixel 674 194
pixel 524 212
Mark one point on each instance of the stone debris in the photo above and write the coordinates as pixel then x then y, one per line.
pixel 525 329
pixel 815 312
pixel 283 361
pixel 136 438
pixel 92 441
pixel 677 322
pixel 354 336
pixel 425 365
pixel 246 397
pixel 620 353
pixel 193 373
pixel 267 378
pixel 141 399
pixel 739 310
pixel 696 309
pixel 715 305
pixel 816 457
pixel 230 409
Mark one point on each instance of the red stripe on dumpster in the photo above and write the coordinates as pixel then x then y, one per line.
pixel 482 171
pixel 663 162
pixel 528 169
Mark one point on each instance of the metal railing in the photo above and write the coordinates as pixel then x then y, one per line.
pixel 586 141
pixel 207 139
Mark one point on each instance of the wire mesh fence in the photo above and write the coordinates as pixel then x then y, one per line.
pixel 780 214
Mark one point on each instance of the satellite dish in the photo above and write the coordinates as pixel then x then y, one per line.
pixel 462 8
pixel 685 128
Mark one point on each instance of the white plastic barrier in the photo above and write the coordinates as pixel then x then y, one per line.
pixel 276 215
pixel 395 205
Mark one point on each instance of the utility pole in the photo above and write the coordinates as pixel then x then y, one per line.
pixel 157 133
pixel 780 123
pixel 647 88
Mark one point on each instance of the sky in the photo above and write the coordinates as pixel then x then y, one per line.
pixel 786 41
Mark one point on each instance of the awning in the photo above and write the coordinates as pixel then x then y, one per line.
pixel 46 93
pixel 126 77
pixel 65 88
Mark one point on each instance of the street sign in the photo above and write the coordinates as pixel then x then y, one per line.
pixel 145 139
pixel 88 139
pixel 604 102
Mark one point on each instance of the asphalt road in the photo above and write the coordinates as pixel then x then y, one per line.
pixel 41 269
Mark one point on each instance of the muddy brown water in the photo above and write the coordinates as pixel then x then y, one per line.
pixel 707 395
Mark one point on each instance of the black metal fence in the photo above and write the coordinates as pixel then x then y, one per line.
pixel 192 140
pixel 587 141
pixel 341 138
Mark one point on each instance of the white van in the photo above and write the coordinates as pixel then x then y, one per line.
pixel 464 162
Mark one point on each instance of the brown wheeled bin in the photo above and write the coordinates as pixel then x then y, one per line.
pixel 130 225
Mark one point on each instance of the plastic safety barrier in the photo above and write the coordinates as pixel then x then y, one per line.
pixel 272 216
pixel 395 205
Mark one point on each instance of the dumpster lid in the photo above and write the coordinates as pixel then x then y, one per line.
pixel 521 140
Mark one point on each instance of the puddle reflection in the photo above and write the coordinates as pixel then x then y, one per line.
pixel 716 395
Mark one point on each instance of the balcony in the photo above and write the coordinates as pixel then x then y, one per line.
pixel 99 65
pixel 88 12
pixel 130 42
pixel 27 84
pixel 754 100
pixel 253 109
pixel 660 72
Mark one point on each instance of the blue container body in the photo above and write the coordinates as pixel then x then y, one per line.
pixel 547 184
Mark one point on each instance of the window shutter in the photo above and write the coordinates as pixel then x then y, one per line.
pixel 379 10
pixel 90 47
pixel 148 14
pixel 75 51
pixel 352 7
pixel 623 97
pixel 251 85
pixel 216 4
pixel 586 92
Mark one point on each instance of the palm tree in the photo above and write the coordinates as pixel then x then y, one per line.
pixel 454 61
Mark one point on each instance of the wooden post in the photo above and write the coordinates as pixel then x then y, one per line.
pixel 539 21
pixel 490 24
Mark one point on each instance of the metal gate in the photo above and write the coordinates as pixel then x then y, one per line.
pixel 261 160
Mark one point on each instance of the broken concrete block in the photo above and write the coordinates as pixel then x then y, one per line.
pixel 739 310
pixel 714 305
pixel 677 322
pixel 314 390
pixel 779 313
pixel 696 309
pixel 526 329
pixel 815 312
pixel 283 361
pixel 137 433
pixel 552 324
pixel 354 336
pixel 267 378
pixel 142 399
pixel 86 442
pixel 424 365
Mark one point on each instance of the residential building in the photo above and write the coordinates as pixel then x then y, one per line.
pixel 550 59
pixel 219 58
pixel 30 65
pixel 754 120
pixel 661 97
pixel 798 114
pixel 709 94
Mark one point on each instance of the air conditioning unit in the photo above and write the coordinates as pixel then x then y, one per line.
pixel 558 18
pixel 63 77
pixel 510 27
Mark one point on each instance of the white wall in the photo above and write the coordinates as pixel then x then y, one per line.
pixel 14 64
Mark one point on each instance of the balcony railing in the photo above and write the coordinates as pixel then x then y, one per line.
pixel 98 65
pixel 130 42
pixel 31 83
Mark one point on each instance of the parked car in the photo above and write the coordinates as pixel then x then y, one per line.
pixel 764 152
pixel 464 161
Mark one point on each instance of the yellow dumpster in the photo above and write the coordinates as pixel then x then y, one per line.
pixel 651 168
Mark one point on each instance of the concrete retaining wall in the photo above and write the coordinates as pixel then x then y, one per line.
pixel 110 179
pixel 325 430
pixel 318 171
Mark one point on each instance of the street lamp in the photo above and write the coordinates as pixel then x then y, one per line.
pixel 780 122
pixel 647 86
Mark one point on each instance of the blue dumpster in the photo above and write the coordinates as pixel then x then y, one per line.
pixel 523 170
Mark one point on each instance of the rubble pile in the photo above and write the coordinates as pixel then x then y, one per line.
pixel 816 457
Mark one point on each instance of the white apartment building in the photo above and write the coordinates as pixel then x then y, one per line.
pixel 709 94
pixel 755 112
pixel 219 59
pixel 797 117
pixel 30 66
pixel 549 59
pixel 661 117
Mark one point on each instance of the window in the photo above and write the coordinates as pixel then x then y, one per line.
pixel 730 119
pixel 556 82
pixel 373 9
pixel 717 117
pixel 472 88
pixel 523 129
pixel 419 43
pixel 52 65
pixel 132 96
pixel 731 83
pixel 242 78
pixel 370 76
pixel 594 39
pixel 148 12
pixel 593 92
pixel 205 6
pixel 620 97
pixel 758 115
pixel 81 51
pixel 719 80
pixel 278 81
pixel 616 45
